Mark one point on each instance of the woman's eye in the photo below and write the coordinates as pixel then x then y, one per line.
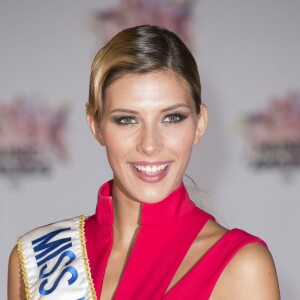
pixel 174 118
pixel 126 120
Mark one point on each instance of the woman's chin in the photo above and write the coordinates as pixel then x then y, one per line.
pixel 153 192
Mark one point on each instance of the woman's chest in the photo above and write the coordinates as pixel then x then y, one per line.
pixel 156 266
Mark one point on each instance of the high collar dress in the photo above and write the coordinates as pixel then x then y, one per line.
pixel 167 230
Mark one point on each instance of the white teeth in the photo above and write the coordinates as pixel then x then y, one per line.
pixel 150 169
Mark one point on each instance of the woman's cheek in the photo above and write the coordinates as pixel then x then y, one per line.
pixel 181 138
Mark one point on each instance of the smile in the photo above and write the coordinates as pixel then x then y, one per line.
pixel 151 168
pixel 150 172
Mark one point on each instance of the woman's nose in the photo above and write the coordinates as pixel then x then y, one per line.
pixel 149 141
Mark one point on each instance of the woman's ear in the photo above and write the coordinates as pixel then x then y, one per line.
pixel 95 129
pixel 201 123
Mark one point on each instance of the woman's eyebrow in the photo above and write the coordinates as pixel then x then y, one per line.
pixel 130 111
pixel 175 106
pixel 123 110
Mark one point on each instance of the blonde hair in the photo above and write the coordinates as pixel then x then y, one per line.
pixel 140 50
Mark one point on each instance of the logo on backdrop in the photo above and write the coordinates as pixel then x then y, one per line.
pixel 273 135
pixel 172 14
pixel 32 137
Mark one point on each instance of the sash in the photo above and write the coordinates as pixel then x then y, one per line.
pixel 54 262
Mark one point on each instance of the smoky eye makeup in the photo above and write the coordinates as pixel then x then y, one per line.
pixel 168 118
pixel 174 117
pixel 124 120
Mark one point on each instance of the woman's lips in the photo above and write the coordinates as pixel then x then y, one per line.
pixel 150 172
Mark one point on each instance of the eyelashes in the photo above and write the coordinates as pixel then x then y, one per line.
pixel 172 118
pixel 124 120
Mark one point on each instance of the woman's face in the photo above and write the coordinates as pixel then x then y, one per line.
pixel 149 126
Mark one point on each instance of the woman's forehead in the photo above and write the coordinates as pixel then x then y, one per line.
pixel 148 92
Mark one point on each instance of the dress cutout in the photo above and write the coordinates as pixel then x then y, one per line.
pixel 168 229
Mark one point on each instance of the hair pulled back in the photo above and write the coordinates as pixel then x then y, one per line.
pixel 140 50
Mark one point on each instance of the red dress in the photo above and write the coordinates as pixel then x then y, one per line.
pixel 168 229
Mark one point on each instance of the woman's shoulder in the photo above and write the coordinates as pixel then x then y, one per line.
pixel 249 271
pixel 251 274
pixel 40 236
pixel 217 236
pixel 44 251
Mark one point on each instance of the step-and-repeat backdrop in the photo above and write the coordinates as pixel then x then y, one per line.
pixel 247 166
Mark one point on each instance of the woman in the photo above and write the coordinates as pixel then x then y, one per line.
pixel 147 239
